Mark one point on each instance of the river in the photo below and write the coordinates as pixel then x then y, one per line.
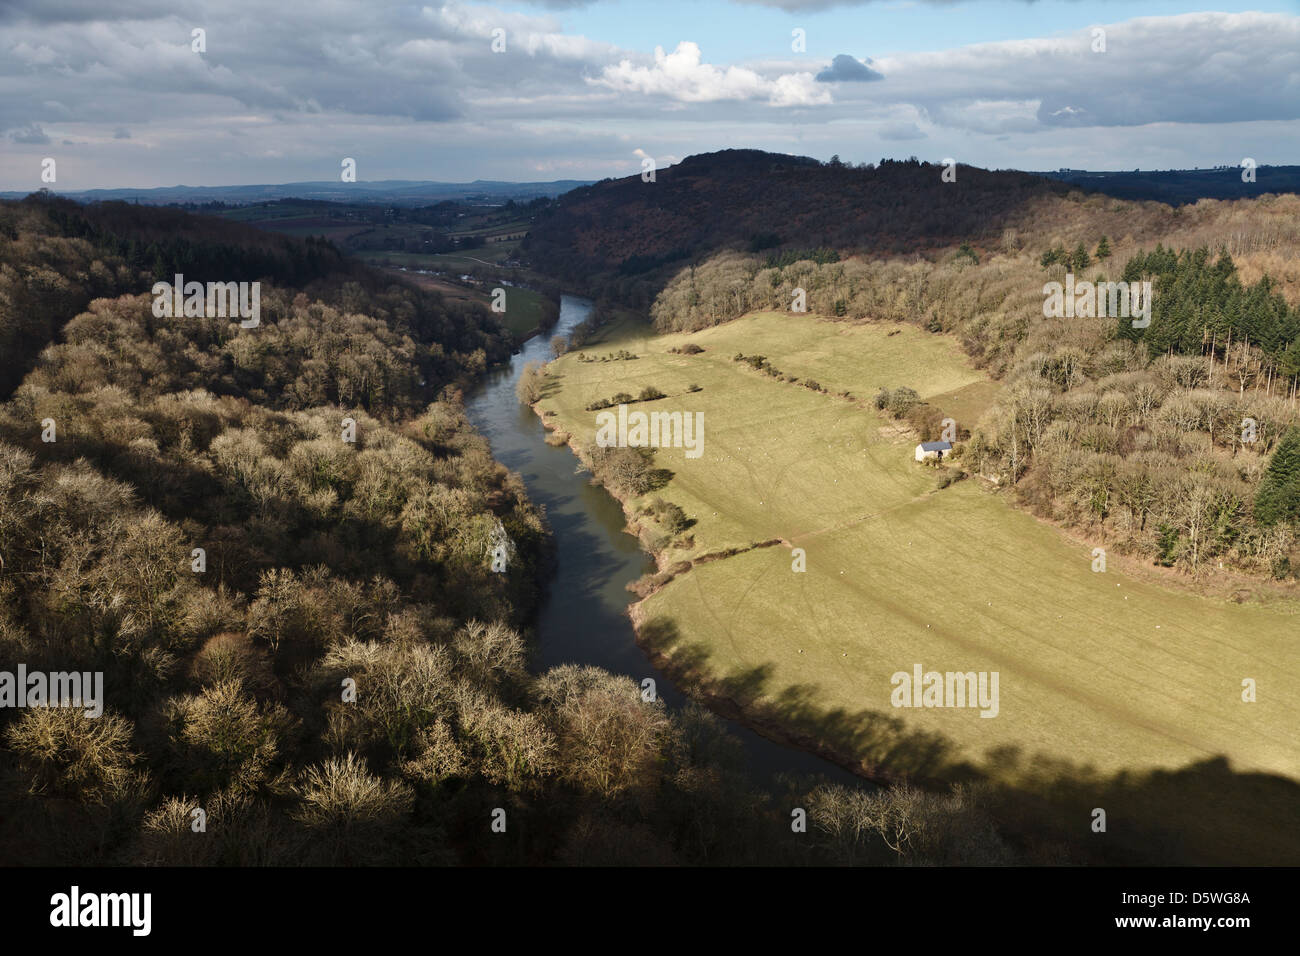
pixel 583 619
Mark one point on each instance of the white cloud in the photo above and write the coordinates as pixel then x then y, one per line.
pixel 418 93
pixel 683 76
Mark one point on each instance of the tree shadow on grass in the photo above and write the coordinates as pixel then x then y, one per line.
pixel 657 479
pixel 1204 813
pixel 551 385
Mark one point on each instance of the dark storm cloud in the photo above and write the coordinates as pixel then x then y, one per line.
pixel 847 69
pixel 76 11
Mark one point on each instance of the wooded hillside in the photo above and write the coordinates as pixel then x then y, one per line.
pixel 624 237
pixel 302 636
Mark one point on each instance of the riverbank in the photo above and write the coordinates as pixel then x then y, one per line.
pixel 694 682
pixel 583 618
pixel 895 571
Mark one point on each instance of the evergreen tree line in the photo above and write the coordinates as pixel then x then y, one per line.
pixel 1199 304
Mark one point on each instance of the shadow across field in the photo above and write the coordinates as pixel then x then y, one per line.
pixel 1204 813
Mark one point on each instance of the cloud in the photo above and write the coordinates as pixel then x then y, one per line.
pixel 845 69
pixel 663 161
pixel 1202 68
pixel 31 134
pixel 416 91
pixel 900 132
pixel 75 11
pixel 815 6
pixel 684 77
pixel 121 133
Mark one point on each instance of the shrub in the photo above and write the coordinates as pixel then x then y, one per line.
pixel 353 816
pixel 902 400
pixel 608 736
pixel 530 384
pixel 927 420
pixel 668 514
pixel 1167 545
pixel 222 738
pixel 233 657
pixel 70 754
pixel 623 470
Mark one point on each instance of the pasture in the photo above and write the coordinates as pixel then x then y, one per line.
pixel 1115 691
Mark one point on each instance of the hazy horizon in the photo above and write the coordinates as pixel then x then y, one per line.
pixel 543 182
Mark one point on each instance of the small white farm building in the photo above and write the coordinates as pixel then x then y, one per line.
pixel 932 449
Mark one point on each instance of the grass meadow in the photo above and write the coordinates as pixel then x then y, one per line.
pixel 1116 690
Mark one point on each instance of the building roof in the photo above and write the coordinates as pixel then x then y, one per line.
pixel 936 446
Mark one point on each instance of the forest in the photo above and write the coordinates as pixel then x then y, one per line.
pixel 274 543
pixel 626 238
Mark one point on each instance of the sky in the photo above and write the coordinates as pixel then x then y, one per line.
pixel 116 93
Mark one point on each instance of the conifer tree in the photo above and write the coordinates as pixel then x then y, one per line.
pixel 1080 259
pixel 1278 497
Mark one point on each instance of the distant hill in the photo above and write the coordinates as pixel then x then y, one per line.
pixel 626 237
pixel 620 232
pixel 399 192
pixel 1180 186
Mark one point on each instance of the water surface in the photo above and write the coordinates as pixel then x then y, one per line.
pixel 583 620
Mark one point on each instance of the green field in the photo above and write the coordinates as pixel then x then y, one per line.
pixel 490 254
pixel 524 307
pixel 269 212
pixel 1115 691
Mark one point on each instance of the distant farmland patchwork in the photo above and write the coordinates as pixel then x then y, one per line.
pixel 1110 683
